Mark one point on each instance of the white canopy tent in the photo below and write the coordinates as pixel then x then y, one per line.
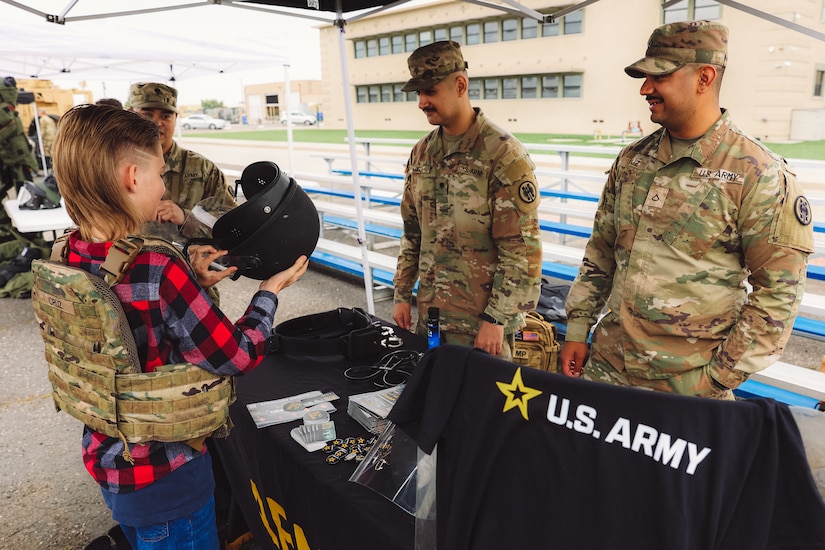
pixel 336 12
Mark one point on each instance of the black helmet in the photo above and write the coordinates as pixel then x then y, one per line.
pixel 277 223
pixel 39 195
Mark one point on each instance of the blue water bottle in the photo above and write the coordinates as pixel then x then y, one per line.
pixel 433 330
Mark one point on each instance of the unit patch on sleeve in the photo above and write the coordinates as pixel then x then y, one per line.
pixel 527 192
pixel 802 209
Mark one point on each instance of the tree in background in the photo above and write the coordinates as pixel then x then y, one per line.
pixel 210 104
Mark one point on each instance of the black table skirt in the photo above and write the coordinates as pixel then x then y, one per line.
pixel 291 498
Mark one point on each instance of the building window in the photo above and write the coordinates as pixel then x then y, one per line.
pixel 529 28
pixel 397 44
pixel 410 42
pixel 425 37
pixel 509 88
pixel 687 10
pixel 474 89
pixel 397 93
pixel 572 85
pixel 473 33
pixel 529 87
pixel 457 34
pixel 509 30
pixel 440 35
pixel 491 88
pixel 373 94
pixel 384 45
pixel 372 47
pixel 573 22
pixel 361 94
pixel 550 86
pixel 706 9
pixel 360 49
pixel 412 96
pixel 386 93
pixel 491 31
pixel 676 12
pixel 819 77
pixel 550 29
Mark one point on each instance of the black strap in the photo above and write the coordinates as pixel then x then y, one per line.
pixel 348 332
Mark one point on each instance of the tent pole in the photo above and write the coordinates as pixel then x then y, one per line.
pixel 40 138
pixel 287 93
pixel 356 182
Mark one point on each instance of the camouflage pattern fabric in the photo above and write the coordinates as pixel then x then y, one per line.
pixel 48 130
pixel 190 177
pixel 468 340
pixel 94 372
pixel 20 286
pixel 471 232
pixel 432 63
pixel 675 238
pixel 16 156
pixel 152 95
pixel 674 45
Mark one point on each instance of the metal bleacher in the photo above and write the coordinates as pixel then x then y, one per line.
pixel 566 223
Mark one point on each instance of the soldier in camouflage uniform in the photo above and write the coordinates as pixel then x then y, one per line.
pixel 17 160
pixel 471 234
pixel 17 165
pixel 189 176
pixel 690 219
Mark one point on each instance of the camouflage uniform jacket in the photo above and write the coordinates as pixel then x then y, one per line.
pixel 471 232
pixel 48 131
pixel 674 241
pixel 16 155
pixel 190 177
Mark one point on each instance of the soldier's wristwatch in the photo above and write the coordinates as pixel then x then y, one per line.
pixel 484 316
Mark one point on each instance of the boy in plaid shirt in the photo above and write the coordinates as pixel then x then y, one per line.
pixel 108 163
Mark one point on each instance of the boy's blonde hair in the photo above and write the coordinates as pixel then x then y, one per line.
pixel 90 143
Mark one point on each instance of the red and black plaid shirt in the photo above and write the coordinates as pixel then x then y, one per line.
pixel 173 321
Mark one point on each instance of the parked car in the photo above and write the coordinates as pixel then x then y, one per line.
pixel 300 118
pixel 202 121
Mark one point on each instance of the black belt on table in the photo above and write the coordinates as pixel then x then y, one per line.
pixel 348 332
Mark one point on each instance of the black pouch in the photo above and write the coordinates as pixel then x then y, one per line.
pixel 551 301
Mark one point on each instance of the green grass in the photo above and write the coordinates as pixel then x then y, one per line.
pixel 814 150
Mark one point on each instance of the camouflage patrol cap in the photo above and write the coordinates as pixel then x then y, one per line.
pixel 153 95
pixel 432 63
pixel 674 45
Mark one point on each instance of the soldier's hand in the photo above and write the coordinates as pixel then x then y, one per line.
pixel 402 315
pixel 168 211
pixel 572 357
pixel 489 338
pixel 200 257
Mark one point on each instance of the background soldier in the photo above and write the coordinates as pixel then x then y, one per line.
pixel 688 214
pixel 471 233
pixel 189 176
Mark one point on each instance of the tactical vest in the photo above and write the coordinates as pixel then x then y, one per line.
pixel 93 358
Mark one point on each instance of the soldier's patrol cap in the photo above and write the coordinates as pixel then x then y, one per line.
pixel 432 63
pixel 674 45
pixel 153 95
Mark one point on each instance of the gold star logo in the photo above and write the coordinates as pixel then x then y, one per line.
pixel 517 394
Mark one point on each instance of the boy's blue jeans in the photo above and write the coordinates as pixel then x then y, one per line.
pixel 197 531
